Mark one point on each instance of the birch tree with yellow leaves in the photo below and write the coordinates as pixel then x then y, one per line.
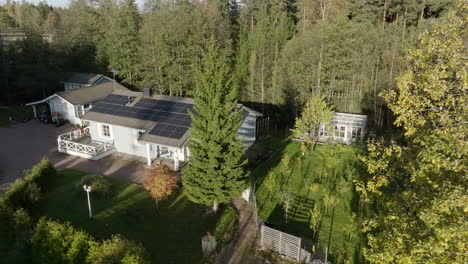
pixel 420 185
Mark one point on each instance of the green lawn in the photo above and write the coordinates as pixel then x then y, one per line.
pixel 331 169
pixel 171 234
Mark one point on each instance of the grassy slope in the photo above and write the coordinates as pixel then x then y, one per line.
pixel 298 183
pixel 171 234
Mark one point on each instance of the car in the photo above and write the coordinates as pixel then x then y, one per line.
pixel 45 117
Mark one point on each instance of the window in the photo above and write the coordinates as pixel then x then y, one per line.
pixel 140 133
pixel 106 131
pixel 86 106
pixel 164 150
pixel 342 131
pixel 354 132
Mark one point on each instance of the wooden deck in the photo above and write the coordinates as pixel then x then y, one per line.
pixel 80 144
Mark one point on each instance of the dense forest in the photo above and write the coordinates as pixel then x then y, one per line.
pixel 401 62
pixel 279 52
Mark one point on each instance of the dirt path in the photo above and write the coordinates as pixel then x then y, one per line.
pixel 233 253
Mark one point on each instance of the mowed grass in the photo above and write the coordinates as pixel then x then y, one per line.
pixel 331 168
pixel 171 232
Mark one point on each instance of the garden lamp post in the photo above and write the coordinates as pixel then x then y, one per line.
pixel 87 189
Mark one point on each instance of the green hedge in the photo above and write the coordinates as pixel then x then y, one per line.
pixel 26 192
pixel 14 221
pixel 19 198
pixel 42 173
pixel 55 243
pixel 117 249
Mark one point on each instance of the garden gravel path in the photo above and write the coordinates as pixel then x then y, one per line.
pixel 245 237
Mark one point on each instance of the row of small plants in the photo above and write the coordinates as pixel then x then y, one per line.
pixel 49 241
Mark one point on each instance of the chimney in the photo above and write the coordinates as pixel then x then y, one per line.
pixel 147 91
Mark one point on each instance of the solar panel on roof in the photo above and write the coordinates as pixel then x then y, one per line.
pixel 170 131
pixel 185 123
pixel 176 135
pixel 180 129
pixel 118 99
pixel 173 119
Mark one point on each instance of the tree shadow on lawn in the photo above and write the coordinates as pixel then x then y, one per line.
pixel 298 219
pixel 170 231
pixel 258 174
pixel 165 229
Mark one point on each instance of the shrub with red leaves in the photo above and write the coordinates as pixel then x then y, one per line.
pixel 162 182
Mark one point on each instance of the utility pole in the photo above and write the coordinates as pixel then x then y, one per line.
pixel 87 189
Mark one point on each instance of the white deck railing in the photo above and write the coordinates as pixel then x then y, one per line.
pixel 66 143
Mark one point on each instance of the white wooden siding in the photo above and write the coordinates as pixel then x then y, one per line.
pixel 247 130
pixel 66 109
pixel 123 138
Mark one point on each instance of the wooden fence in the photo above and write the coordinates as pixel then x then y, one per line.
pixel 284 244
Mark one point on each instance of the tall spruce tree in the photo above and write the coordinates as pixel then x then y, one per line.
pixel 215 173
pixel 121 45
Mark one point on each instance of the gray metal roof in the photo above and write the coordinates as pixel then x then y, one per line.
pixel 82 78
pixel 89 94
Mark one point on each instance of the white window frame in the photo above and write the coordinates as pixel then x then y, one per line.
pixel 169 154
pixel 101 131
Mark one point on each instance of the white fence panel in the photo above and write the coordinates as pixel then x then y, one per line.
pixel 283 243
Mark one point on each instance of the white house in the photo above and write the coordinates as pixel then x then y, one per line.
pixel 76 80
pixel 151 127
pixel 74 103
pixel 344 127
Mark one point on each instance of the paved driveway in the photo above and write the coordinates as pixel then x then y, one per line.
pixel 24 144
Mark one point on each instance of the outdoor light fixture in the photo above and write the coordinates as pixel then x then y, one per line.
pixel 87 189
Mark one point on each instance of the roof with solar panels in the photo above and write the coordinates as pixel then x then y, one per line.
pixel 165 119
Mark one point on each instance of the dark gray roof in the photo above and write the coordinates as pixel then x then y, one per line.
pixel 82 78
pixel 148 125
pixel 90 93
pixel 119 120
pixel 172 142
